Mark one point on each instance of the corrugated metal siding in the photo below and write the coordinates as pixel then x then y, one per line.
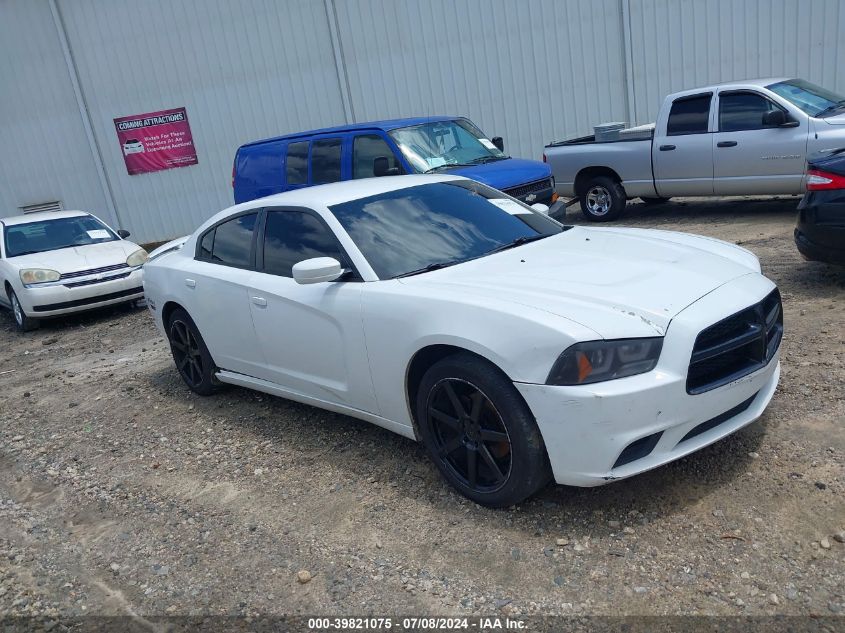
pixel 45 154
pixel 679 45
pixel 530 71
pixel 243 70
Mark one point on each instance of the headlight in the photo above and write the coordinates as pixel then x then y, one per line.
pixel 595 361
pixel 137 258
pixel 38 275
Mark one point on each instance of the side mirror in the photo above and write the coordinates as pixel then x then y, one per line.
pixel 317 270
pixel 499 142
pixel 539 207
pixel 381 167
pixel 123 233
pixel 778 118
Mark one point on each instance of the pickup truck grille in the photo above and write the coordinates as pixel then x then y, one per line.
pixel 93 271
pixel 736 346
pixel 532 187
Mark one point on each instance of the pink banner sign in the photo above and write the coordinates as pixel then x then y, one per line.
pixel 156 141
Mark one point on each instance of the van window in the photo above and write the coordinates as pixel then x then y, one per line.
pixel 689 115
pixel 365 149
pixel 325 160
pixel 293 236
pixel 296 163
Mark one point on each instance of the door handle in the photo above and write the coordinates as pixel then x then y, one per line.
pixel 726 144
pixel 667 148
pixel 191 283
pixel 259 301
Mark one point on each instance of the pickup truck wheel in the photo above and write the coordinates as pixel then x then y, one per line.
pixel 602 199
pixel 651 201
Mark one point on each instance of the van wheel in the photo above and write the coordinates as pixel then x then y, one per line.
pixel 480 433
pixel 24 323
pixel 602 199
pixel 650 201
pixel 192 358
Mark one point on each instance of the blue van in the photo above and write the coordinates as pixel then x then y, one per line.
pixel 387 148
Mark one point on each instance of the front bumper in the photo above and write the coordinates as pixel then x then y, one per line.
pixel 587 429
pixel 48 300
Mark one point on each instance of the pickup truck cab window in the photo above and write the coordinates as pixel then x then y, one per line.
pixel 689 115
pixel 743 111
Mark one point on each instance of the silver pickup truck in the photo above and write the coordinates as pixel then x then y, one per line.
pixel 739 138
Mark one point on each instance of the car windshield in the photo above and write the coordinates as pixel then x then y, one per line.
pixel 51 235
pixel 417 229
pixel 812 99
pixel 442 144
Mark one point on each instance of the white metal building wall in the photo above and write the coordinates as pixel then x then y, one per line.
pixel 528 70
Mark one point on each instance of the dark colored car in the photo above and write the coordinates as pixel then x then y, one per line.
pixel 820 234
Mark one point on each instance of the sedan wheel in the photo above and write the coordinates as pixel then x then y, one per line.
pixel 479 431
pixel 469 434
pixel 24 323
pixel 191 355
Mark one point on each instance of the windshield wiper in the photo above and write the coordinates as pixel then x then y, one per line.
pixel 448 165
pixel 525 239
pixel 429 268
pixel 833 107
pixel 483 160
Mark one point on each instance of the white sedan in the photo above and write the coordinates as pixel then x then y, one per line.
pixel 516 349
pixel 55 263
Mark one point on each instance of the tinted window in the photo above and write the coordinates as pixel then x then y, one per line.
pixel 207 245
pixel 296 163
pixel 439 223
pixel 233 241
pixel 365 149
pixel 743 111
pixel 325 160
pixel 689 116
pixel 292 236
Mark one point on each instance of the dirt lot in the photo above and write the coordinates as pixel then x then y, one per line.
pixel 123 493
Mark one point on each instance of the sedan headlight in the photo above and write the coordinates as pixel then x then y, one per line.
pixel 595 361
pixel 137 258
pixel 38 275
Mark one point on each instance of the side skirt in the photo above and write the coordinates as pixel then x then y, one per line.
pixel 242 380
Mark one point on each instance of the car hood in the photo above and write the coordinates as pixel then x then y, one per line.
pixel 68 260
pixel 504 174
pixel 838 119
pixel 618 282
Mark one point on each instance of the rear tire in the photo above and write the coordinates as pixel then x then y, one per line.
pixel 602 199
pixel 651 201
pixel 192 358
pixel 480 433
pixel 22 321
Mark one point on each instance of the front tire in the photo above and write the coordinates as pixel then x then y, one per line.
pixel 602 199
pixel 192 358
pixel 22 321
pixel 480 433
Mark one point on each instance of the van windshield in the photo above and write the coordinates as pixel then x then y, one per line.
pixel 812 99
pixel 440 145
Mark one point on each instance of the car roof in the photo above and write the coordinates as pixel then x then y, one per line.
pixel 385 125
pixel 344 191
pixel 738 85
pixel 41 215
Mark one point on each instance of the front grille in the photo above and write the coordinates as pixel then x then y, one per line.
pixel 93 271
pixel 89 282
pixel 531 187
pixel 736 346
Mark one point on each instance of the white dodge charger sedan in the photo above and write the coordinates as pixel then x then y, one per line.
pixel 516 349
pixel 55 263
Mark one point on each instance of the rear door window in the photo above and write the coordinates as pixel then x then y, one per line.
pixel 325 160
pixel 689 115
pixel 296 163
pixel 230 243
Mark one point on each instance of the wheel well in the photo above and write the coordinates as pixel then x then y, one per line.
pixel 420 363
pixel 8 288
pixel 166 310
pixel 588 173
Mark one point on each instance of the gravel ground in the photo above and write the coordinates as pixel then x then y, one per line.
pixel 121 493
